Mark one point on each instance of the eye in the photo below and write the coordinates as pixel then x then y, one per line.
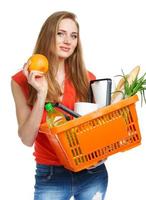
pixel 74 36
pixel 61 34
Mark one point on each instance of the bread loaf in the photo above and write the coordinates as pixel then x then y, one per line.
pixel 120 86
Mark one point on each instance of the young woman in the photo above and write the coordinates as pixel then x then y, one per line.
pixel 67 81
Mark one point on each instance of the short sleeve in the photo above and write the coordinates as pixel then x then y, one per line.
pixel 21 80
pixel 91 76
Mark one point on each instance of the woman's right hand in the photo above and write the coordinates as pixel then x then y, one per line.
pixel 36 79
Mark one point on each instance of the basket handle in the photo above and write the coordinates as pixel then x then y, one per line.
pixel 74 114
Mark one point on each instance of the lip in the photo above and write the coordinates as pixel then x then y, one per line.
pixel 65 49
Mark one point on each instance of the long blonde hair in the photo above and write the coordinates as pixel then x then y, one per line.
pixel 75 70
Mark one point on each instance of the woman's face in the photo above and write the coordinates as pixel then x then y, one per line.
pixel 66 38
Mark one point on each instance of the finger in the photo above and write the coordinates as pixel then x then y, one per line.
pixel 33 75
pixel 36 72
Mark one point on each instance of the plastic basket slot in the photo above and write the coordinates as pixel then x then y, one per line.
pixel 68 139
pixel 116 145
pixel 92 155
pixel 79 160
pixel 76 151
pixel 95 153
pixel 81 128
pixel 85 126
pixel 98 152
pixel 134 128
pixel 107 118
pixel 125 114
pixel 115 114
pixel 101 120
pixel 135 138
pixel 89 156
pixel 102 151
pixel 85 158
pixel 73 153
pixel 121 113
pixel 82 158
pixel 71 137
pixel 129 140
pixel 108 149
pixel 130 116
pixel 89 125
pixel 131 129
pixel 76 161
pixel 92 123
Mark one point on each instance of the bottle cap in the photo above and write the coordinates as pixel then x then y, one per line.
pixel 49 106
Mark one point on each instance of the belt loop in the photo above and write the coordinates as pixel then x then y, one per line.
pixel 51 170
pixel 50 173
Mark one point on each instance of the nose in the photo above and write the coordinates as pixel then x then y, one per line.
pixel 67 39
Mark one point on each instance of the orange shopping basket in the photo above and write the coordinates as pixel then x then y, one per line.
pixel 85 141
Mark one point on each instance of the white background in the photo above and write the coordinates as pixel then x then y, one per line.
pixel 113 36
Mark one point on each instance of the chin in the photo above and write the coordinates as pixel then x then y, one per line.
pixel 63 56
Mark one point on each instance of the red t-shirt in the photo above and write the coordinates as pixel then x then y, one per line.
pixel 43 152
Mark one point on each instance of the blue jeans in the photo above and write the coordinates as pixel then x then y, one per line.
pixel 58 183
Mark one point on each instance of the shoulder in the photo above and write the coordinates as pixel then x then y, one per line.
pixel 21 80
pixel 91 76
pixel 19 77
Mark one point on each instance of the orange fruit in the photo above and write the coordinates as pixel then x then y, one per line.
pixel 38 62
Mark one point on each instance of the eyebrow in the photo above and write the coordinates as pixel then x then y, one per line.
pixel 66 31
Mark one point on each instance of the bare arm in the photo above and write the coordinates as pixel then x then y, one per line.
pixel 29 120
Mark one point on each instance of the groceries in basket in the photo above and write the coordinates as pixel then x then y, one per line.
pixel 84 108
pixel 100 91
pixel 54 117
pixel 130 85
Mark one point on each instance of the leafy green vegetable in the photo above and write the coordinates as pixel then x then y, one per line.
pixel 137 85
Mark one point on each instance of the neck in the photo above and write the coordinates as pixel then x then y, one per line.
pixel 61 68
pixel 61 63
pixel 61 72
